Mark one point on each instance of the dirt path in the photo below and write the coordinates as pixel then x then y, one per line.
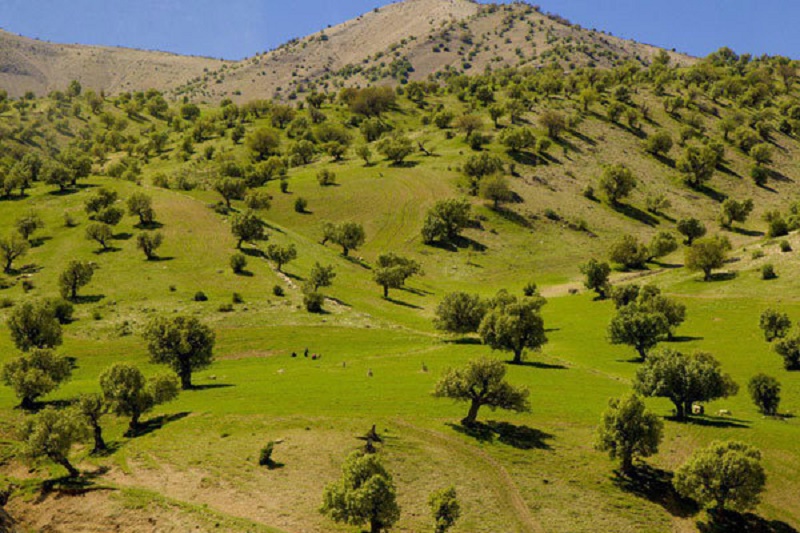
pixel 504 485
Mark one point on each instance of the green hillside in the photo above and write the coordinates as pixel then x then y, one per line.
pixel 196 461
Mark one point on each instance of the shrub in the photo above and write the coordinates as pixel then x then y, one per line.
pixel 326 178
pixel 530 289
pixel 284 185
pixel 238 262
pixel 200 296
pixel 277 290
pixel 237 298
pixel 300 204
pixel 757 254
pixel 62 310
pixel 225 308
pixel 265 456
pixel 313 302
pixel 768 272
pixel 785 246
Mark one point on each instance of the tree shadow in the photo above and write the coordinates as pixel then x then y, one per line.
pixel 777 176
pixel 540 365
pixel 712 193
pixel 418 292
pixel 357 261
pixel 466 242
pixel 583 137
pixel 149 225
pixel 520 437
pixel 88 299
pixel 732 522
pixel 563 143
pixel 294 276
pixel 712 421
pixel 401 303
pixel 160 258
pixel 252 252
pixel 722 276
pixel 274 228
pixel 748 232
pixel 464 340
pixel 728 171
pixel 73 486
pixel 684 338
pixel 637 214
pixel 513 217
pixel 124 236
pixel 524 158
pixel 38 241
pixel 666 160
pixel 244 273
pixel 107 250
pixel 155 423
pixel 655 485
pixel 210 386
pixel 405 164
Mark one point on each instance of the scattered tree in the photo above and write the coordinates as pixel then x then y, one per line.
pixel 92 408
pixel 789 350
pixel 28 224
pixel 51 434
pixel 706 255
pixel 445 508
pixel 365 494
pixel 460 313
pixel 496 189
pixel 34 325
pixel 445 220
pixel 629 252
pixel 725 475
pixel 12 248
pixel 77 274
pixel 683 379
pixel 392 271
pixel 320 276
pixel 596 277
pixel 617 182
pixel 481 382
pixel 628 430
pixel 100 232
pixel 230 189
pixel 766 393
pixel 280 255
pixel 128 393
pixel 183 343
pixel 691 228
pixel 514 325
pixel 149 243
pixel 734 211
pixel 247 227
pixel 34 374
pixel 141 205
pixel 774 324
pixel 638 328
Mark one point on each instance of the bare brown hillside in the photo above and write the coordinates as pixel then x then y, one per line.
pixel 38 66
pixel 411 39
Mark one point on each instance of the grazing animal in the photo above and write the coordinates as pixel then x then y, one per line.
pixel 723 412
pixel 369 372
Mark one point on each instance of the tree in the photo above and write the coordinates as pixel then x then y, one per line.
pixel 230 189
pixel 282 115
pixel 101 199
pixel 77 274
pixel 365 494
pixel 141 205
pixel 445 508
pixel 697 165
pixel 617 182
pixel 280 255
pixel 496 189
pixel 638 328
pixel 789 350
pixel 629 252
pixel 372 101
pixel 183 343
pixel 765 392
pixel 706 255
pixel 596 277
pixel 263 142
pixel 726 475
pixel 395 148
pixel 257 200
pixel 628 430
pixel 662 244
pixel 761 153
pixel 28 224
pixel 238 261
pixel 650 299
pixel 469 124
pixel 55 173
pixel 190 112
pixel 691 228
pixel 92 408
pixel 110 215
pixel 459 312
pixel 128 393
pixel 102 233
pixel 658 143
pixel 514 325
pixel 517 139
pixel 554 122
pixel 320 276
pixel 392 271
pixel 34 374
pixel 148 243
pixel 348 235
pixel 734 211
pixel 34 325
pixel 12 248
pixel 683 379
pixel 774 324
pixel 481 382
pixel 445 220
pixel 247 227
pixel 51 434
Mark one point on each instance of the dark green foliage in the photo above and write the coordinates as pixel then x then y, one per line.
pixel 628 252
pixel 247 227
pixel 617 182
pixel 459 312
pixel 706 255
pixel 33 324
pixel 348 235
pixel 12 248
pixel 482 382
pixel 395 148
pixel 641 329
pixel 765 392
pixel 691 228
pixel 77 274
pixel 149 243
pixel 445 508
pixel 128 393
pixel 684 380
pixel 326 177
pixel 789 350
pixel 183 343
pixel 280 255
pixel 34 374
pixel 100 232
pixel 596 277
pixel 627 430
pixel 300 205
pixel 392 271
pixel 265 455
pixel 734 211
pixel 313 301
pixel 445 220
pixel 51 433
pixel 768 272
pixel 514 325
pixel 774 324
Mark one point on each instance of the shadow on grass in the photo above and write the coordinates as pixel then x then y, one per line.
pixel 402 303
pixel 747 232
pixel 655 485
pixel 294 276
pixel 540 365
pixel 712 193
pixel 418 292
pixel 124 236
pixel 73 486
pixel 684 338
pixel 38 241
pixel 161 258
pixel 244 273
pixel 722 276
pixel 458 243
pixel 252 252
pixel 732 522
pixel 636 214
pixel 356 261
pixel 209 386
pixel 88 299
pixel 712 421
pixel 107 250
pixel 512 216
pixel 148 225
pixel 464 340
pixel 155 423
pixel 520 437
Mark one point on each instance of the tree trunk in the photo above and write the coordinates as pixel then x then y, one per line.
pixel 706 274
pixel 642 353
pixel 63 461
pixel 27 403
pixel 517 356
pixel 680 411
pixel 473 413
pixel 99 443
pixel 374 526
pixel 186 377
pixel 133 425
pixel 345 251
pixel 73 291
pixel 627 463
pixel 7 269
pixel 385 291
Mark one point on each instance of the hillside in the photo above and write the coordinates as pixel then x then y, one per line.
pixel 545 138
pixel 406 40
pixel 40 67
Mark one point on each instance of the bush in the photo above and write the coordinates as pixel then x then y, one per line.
pixel 757 254
pixel 530 289
pixel 277 290
pixel 326 178
pixel 200 296
pixel 300 204
pixel 238 262
pixel 265 456
pixel 62 310
pixel 284 185
pixel 768 272
pixel 785 246
pixel 237 298
pixel 225 308
pixel 313 302
pixel 588 192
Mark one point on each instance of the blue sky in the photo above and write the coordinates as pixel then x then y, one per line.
pixel 238 28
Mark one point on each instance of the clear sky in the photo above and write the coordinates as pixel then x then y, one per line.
pixel 234 29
